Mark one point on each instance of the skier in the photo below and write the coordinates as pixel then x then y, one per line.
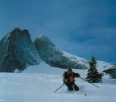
pixel 69 79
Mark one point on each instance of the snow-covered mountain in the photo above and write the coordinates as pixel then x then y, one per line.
pixel 56 57
pixel 17 51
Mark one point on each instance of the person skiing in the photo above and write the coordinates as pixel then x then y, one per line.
pixel 69 79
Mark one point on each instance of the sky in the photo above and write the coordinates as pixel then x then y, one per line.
pixel 80 27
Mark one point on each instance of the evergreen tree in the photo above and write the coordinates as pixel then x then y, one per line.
pixel 93 75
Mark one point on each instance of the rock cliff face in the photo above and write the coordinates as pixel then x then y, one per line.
pixel 17 51
pixel 55 57
pixel 111 71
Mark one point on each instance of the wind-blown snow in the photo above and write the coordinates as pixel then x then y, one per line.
pixel 40 85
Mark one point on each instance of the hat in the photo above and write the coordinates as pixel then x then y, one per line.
pixel 70 69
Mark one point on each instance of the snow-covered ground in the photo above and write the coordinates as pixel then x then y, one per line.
pixel 38 83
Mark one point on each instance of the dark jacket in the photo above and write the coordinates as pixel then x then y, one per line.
pixel 70 77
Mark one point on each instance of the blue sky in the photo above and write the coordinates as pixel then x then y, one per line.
pixel 80 27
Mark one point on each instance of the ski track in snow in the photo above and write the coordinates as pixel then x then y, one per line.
pixel 28 87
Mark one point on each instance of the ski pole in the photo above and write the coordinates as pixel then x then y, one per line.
pixel 59 88
pixel 89 82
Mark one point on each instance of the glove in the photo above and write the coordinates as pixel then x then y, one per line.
pixel 67 80
pixel 78 75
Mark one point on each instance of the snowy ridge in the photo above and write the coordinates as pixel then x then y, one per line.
pixel 101 65
pixel 75 58
pixel 56 57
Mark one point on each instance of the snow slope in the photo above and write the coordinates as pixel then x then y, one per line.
pixel 40 87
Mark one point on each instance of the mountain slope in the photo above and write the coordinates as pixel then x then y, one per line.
pixel 17 51
pixel 34 87
pixel 56 57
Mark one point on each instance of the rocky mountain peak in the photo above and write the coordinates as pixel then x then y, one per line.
pixel 17 51
pixel 54 56
pixel 43 41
